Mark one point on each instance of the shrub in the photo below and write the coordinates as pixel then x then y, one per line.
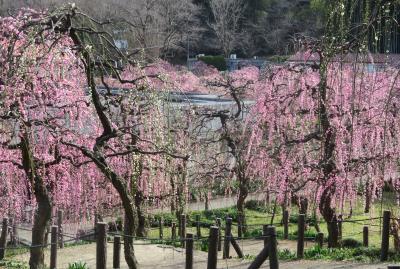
pixel 78 265
pixel 351 243
pixel 216 61
pixel 168 218
pixel 286 254
pixel 255 205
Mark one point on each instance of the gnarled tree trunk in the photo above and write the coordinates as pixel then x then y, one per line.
pixel 243 193
pixel 41 220
pixel 139 203
pixel 330 217
pixel 43 214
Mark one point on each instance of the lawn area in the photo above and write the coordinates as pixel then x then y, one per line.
pixel 257 215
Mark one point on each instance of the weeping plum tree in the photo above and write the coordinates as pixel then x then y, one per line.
pixel 49 60
pixel 324 135
pixel 42 102
pixel 329 122
pixel 231 159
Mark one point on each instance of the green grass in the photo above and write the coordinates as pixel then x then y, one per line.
pixel 258 215
pixel 9 264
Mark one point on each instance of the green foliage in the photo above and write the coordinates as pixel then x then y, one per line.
pixel 286 254
pixel 359 254
pixel 78 265
pixel 13 264
pixel 255 205
pixel 216 61
pixel 351 243
pixel 278 58
pixel 168 219
pixel 204 245
pixel 221 213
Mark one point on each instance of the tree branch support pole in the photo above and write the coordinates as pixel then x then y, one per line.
pixel 269 250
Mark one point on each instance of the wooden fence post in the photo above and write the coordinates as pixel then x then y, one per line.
pixel 272 248
pixel 219 234
pixel 189 251
pixel 320 239
pixel 173 231
pixel 14 238
pixel 117 252
pixel 183 229
pixel 365 236
pixel 213 248
pixel 198 227
pixel 9 228
pixel 300 236
pixel 240 224
pixel 101 246
pixel 228 232
pixel 60 229
pixel 3 238
pixel 340 226
pixel 265 234
pixel 53 247
pixel 286 224
pixel 48 231
pixel 160 221
pixel 385 236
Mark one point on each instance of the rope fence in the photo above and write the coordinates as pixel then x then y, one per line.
pixel 215 241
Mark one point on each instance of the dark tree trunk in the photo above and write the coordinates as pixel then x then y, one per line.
pixel 44 207
pixel 127 203
pixel 129 252
pixel 330 217
pixel 303 208
pixel 41 220
pixel 206 202
pixel 243 193
pixel 141 230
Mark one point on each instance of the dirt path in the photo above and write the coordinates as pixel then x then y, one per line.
pixel 156 256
